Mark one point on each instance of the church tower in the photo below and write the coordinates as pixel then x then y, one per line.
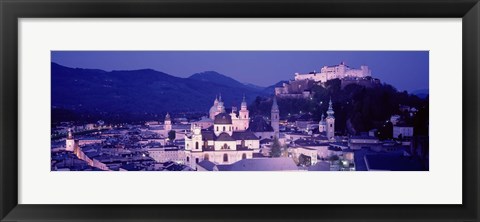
pixel 70 141
pixel 243 114
pixel 330 120
pixel 275 118
pixel 167 124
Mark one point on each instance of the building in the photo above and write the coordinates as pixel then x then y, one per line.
pixel 217 107
pixel 241 120
pixel 296 152
pixel 165 154
pixel 402 131
pixel 335 72
pixel 388 162
pixel 262 164
pixel 368 142
pixel 275 117
pixel 70 142
pixel 167 123
pixel 226 142
pixel 330 122
pixel 204 122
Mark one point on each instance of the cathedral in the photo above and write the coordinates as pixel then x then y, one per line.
pixel 327 124
pixel 226 142
pixel 240 120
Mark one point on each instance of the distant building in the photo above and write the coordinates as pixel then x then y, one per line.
pixel 359 142
pixel 302 84
pixel 335 72
pixel 402 130
pixel 204 123
pixel 312 153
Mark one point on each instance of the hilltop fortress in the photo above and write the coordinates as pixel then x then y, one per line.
pixel 301 85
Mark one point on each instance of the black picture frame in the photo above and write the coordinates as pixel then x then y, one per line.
pixel 12 10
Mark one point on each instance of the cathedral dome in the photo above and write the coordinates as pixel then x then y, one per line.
pixel 213 109
pixel 222 118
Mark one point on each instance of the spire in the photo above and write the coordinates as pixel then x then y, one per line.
pixel 243 106
pixel 274 104
pixel 220 98
pixel 330 111
pixel 216 100
pixel 167 117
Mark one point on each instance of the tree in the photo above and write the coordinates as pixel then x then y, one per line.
pixel 171 135
pixel 276 150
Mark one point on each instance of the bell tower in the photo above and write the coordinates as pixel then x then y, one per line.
pixel 275 117
pixel 330 121
pixel 70 141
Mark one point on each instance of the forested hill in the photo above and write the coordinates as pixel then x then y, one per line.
pixel 357 108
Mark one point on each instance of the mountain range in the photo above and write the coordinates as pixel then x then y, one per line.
pixel 145 90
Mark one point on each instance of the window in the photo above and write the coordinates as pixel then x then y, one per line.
pixel 225 147
pixel 244 156
pixel 225 157
pixel 224 129
pixel 331 125
pixel 188 159
pixel 217 128
pixel 196 160
pixel 196 145
pixel 206 157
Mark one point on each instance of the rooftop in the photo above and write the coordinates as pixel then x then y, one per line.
pixel 223 118
pixel 264 164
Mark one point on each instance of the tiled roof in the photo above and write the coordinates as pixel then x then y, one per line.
pixel 264 164
pixel 205 164
pixel 246 135
pixel 393 162
pixel 208 135
pixel 224 137
pixel 258 124
pixel 223 118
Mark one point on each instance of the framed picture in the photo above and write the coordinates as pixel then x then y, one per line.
pixel 227 110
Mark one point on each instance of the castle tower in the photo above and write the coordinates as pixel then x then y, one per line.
pixel 275 118
pixel 167 124
pixel 243 115
pixel 70 141
pixel 330 120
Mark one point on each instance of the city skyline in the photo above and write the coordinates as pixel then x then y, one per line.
pixel 340 117
pixel 262 68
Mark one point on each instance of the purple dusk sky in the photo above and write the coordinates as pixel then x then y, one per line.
pixel 405 70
